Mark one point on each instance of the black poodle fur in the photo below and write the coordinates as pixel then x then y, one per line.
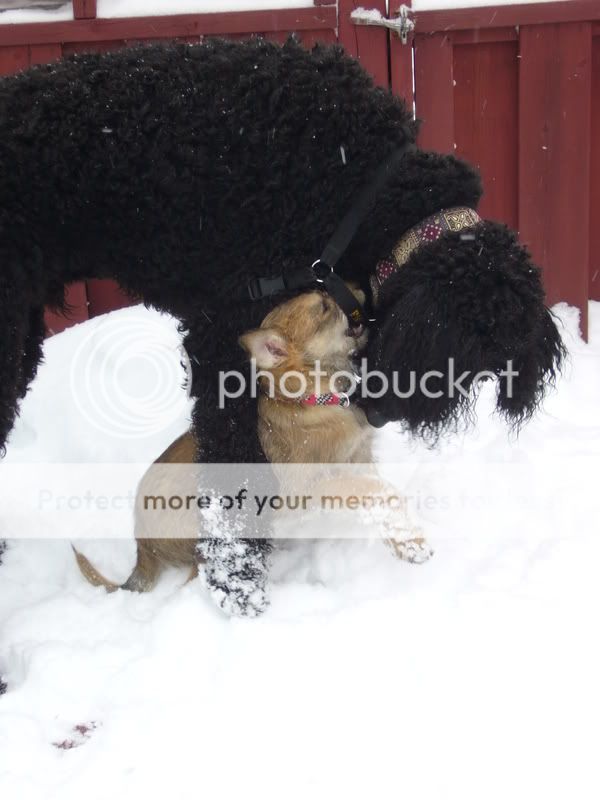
pixel 485 306
pixel 183 171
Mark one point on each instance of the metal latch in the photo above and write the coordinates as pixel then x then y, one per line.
pixel 403 24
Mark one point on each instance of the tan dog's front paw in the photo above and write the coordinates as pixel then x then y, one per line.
pixel 415 551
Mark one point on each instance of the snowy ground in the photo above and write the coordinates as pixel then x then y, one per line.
pixel 473 676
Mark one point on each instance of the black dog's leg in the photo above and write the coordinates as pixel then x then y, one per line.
pixel 236 566
pixel 19 355
pixel 14 322
pixel 20 366
pixel 236 563
pixel 32 350
pixel 2 683
pixel 236 572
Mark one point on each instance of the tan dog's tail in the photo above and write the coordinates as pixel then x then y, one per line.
pixel 91 574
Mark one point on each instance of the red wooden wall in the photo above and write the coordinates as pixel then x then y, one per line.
pixel 595 170
pixel 514 89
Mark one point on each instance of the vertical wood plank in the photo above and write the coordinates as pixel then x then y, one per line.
pixel 486 103
pixel 554 156
pixel 44 53
pixel 76 298
pixel 104 296
pixel 368 43
pixel 84 9
pixel 434 91
pixel 401 65
pixel 401 68
pixel 13 59
pixel 595 174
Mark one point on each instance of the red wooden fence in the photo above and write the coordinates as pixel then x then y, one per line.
pixel 514 89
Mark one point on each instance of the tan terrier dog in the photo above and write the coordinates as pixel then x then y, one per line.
pixel 297 425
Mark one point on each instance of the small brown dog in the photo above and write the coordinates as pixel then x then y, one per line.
pixel 307 428
pixel 177 548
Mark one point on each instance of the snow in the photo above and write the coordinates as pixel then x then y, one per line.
pixel 474 675
pixel 370 15
pixel 37 14
pixel 426 5
pixel 143 8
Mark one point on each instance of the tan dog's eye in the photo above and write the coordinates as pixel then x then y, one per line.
pixel 325 305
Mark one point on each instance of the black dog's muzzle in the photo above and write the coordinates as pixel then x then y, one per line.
pixel 375 418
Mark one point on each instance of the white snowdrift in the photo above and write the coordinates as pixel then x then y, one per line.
pixel 142 8
pixel 427 5
pixel 475 675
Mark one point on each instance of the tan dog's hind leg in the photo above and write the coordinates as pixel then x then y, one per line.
pixel 148 567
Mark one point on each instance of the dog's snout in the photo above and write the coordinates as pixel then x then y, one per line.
pixel 375 418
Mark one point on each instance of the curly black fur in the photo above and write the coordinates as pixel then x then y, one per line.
pixel 475 300
pixel 183 171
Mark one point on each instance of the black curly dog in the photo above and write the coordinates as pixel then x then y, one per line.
pixel 183 172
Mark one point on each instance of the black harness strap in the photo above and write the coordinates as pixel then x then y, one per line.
pixel 346 230
pixel 322 270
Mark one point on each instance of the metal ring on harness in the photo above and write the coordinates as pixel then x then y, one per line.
pixel 321 270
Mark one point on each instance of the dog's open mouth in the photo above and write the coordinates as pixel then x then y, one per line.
pixel 357 334
pixel 355 331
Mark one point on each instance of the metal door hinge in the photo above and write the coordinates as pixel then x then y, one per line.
pixel 402 25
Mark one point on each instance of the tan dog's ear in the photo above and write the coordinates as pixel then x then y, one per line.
pixel 266 345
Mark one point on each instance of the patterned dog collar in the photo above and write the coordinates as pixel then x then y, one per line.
pixel 329 399
pixel 430 229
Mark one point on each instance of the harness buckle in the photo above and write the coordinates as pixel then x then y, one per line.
pixel 265 287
